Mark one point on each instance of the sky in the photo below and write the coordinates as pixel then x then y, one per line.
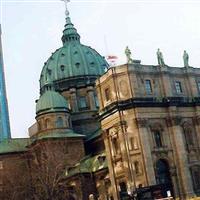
pixel 32 30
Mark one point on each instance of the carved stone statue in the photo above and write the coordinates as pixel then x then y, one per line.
pixel 128 55
pixel 160 58
pixel 186 59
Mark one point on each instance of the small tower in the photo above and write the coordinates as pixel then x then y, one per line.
pixel 4 116
pixel 54 129
pixel 52 113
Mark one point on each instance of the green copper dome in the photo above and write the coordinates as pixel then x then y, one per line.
pixel 72 60
pixel 51 101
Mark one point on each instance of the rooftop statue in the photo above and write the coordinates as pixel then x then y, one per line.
pixel 185 59
pixel 160 58
pixel 128 55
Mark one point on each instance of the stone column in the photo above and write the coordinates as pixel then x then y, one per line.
pixel 90 91
pixel 74 102
pixel 184 174
pixel 146 150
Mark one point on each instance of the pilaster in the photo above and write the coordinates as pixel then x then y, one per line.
pixel 184 175
pixel 192 85
pixel 165 81
pixel 127 165
pixel 107 143
pixel 146 148
pixel 196 121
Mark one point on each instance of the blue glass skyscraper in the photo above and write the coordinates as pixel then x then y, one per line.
pixel 4 116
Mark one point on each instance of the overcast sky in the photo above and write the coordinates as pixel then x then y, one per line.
pixel 32 30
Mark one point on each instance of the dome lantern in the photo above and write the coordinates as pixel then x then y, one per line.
pixel 70 33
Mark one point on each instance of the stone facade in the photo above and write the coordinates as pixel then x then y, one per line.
pixel 14 176
pixel 150 120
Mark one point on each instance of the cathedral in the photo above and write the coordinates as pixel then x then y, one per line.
pixel 105 133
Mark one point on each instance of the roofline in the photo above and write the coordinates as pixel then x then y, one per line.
pixel 13 152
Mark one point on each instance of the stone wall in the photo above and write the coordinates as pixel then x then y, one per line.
pixel 146 126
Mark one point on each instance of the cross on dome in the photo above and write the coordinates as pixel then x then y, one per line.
pixel 66 7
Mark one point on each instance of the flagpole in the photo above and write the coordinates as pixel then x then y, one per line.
pixel 106 46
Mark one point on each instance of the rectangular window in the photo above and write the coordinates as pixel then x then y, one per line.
pixel 178 87
pixel 82 102
pixel 148 87
pixel 107 94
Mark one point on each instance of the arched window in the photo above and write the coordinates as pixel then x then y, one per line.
pixel 59 122
pixel 163 172
pixel 82 102
pixel 77 65
pixel 48 123
pixel 39 126
pixel 107 94
pixel 62 68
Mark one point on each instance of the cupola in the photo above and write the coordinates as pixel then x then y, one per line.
pixel 51 101
pixel 52 113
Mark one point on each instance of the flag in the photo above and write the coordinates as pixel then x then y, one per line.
pixel 111 57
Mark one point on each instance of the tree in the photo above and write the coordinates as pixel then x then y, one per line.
pixel 14 178
pixel 48 167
